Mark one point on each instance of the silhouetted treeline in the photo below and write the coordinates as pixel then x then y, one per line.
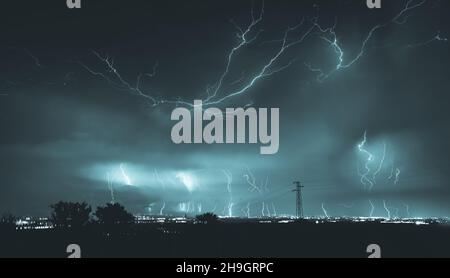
pixel 110 231
pixel 75 215
pixel 68 215
pixel 207 218
pixel 7 222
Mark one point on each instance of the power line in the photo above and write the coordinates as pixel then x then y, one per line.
pixel 298 200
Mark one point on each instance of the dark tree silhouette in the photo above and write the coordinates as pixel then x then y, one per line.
pixel 113 214
pixel 8 222
pixel 207 218
pixel 67 214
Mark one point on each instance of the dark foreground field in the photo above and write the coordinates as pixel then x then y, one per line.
pixel 240 240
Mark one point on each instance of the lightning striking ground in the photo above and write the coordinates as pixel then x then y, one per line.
pixel 247 210
pixel 372 209
pixel 216 94
pixel 125 177
pixel 110 187
pixel 229 177
pixel 407 210
pixel 161 211
pixel 274 213
pixel 365 180
pixel 325 211
pixel 387 209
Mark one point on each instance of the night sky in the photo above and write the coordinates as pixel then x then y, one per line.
pixel 69 134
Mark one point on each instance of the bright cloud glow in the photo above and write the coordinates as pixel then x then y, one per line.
pixel 187 180
pixel 126 178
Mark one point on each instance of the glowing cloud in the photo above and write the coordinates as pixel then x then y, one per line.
pixel 125 176
pixel 187 180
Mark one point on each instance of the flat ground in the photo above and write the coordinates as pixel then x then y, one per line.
pixel 242 240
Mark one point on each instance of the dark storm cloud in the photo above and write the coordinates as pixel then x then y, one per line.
pixel 64 129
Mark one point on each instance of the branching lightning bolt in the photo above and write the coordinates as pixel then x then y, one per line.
pixel 391 175
pixel 364 176
pixel 436 38
pixel 214 93
pixel 268 211
pixel 274 210
pixel 331 38
pixel 250 178
pixel 246 211
pixel 267 70
pixel 230 209
pixel 115 79
pixel 244 40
